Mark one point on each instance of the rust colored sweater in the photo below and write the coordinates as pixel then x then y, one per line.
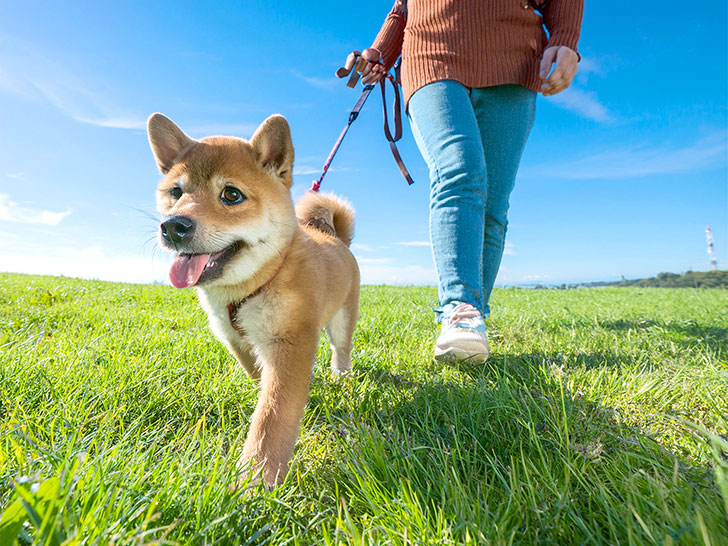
pixel 479 43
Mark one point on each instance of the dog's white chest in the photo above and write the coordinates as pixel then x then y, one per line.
pixel 251 321
pixel 248 323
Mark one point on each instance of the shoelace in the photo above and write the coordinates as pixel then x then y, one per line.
pixel 461 312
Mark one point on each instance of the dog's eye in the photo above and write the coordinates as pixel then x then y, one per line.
pixel 176 192
pixel 231 196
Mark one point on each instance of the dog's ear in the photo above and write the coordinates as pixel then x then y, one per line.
pixel 167 140
pixel 274 148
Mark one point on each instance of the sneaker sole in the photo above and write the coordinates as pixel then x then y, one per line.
pixel 452 354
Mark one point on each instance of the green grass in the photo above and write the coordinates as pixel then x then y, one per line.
pixel 601 418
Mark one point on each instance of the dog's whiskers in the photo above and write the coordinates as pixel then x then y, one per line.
pixel 146 214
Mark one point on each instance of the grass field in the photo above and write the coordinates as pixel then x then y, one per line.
pixel 601 418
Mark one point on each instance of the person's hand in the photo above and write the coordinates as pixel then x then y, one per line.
pixel 566 66
pixel 367 63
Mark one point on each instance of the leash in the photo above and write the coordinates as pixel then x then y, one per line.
pixel 397 114
pixel 352 116
pixel 359 64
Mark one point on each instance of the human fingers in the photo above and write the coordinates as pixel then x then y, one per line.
pixel 559 67
pixel 549 55
pixel 374 75
pixel 553 86
pixel 371 55
pixel 373 70
pixel 564 71
pixel 554 81
pixel 349 64
pixel 559 84
pixel 558 87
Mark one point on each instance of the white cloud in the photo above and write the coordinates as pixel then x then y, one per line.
pixel 580 101
pixel 29 74
pixel 639 161
pixel 299 190
pixel 583 103
pixel 93 252
pixel 91 263
pixel 397 274
pixel 10 211
pixel 588 66
pixel 112 122
pixel 32 75
pixel 98 263
pixel 242 130
pixel 307 169
pixel 509 249
pixel 360 247
pixel 6 237
pixel 536 278
pixel 321 83
pixel 9 82
pixel 374 261
pixel 413 243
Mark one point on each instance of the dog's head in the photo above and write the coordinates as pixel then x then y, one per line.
pixel 225 202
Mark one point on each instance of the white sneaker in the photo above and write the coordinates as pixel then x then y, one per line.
pixel 463 335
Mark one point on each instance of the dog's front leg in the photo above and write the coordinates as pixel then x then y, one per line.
pixel 274 426
pixel 245 357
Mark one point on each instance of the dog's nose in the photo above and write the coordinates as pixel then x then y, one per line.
pixel 177 229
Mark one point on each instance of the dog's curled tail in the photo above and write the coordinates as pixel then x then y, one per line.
pixel 327 213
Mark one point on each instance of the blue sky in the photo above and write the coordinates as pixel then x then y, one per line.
pixel 621 175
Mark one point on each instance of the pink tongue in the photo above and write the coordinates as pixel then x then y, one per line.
pixel 186 269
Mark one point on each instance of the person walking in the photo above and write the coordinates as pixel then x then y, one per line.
pixel 471 70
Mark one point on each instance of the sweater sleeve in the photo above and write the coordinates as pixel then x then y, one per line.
pixel 390 37
pixel 562 19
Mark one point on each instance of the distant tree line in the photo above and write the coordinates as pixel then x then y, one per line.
pixel 691 279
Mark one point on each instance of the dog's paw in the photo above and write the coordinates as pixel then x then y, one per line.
pixel 250 476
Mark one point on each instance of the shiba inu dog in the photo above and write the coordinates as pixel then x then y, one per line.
pixel 269 275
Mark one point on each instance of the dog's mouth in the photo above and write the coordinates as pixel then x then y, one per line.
pixel 193 269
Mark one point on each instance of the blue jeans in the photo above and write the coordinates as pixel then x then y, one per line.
pixel 472 141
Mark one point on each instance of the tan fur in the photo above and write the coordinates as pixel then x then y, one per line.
pixel 328 213
pixel 309 278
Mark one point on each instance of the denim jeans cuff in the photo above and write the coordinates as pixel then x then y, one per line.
pixel 443 310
